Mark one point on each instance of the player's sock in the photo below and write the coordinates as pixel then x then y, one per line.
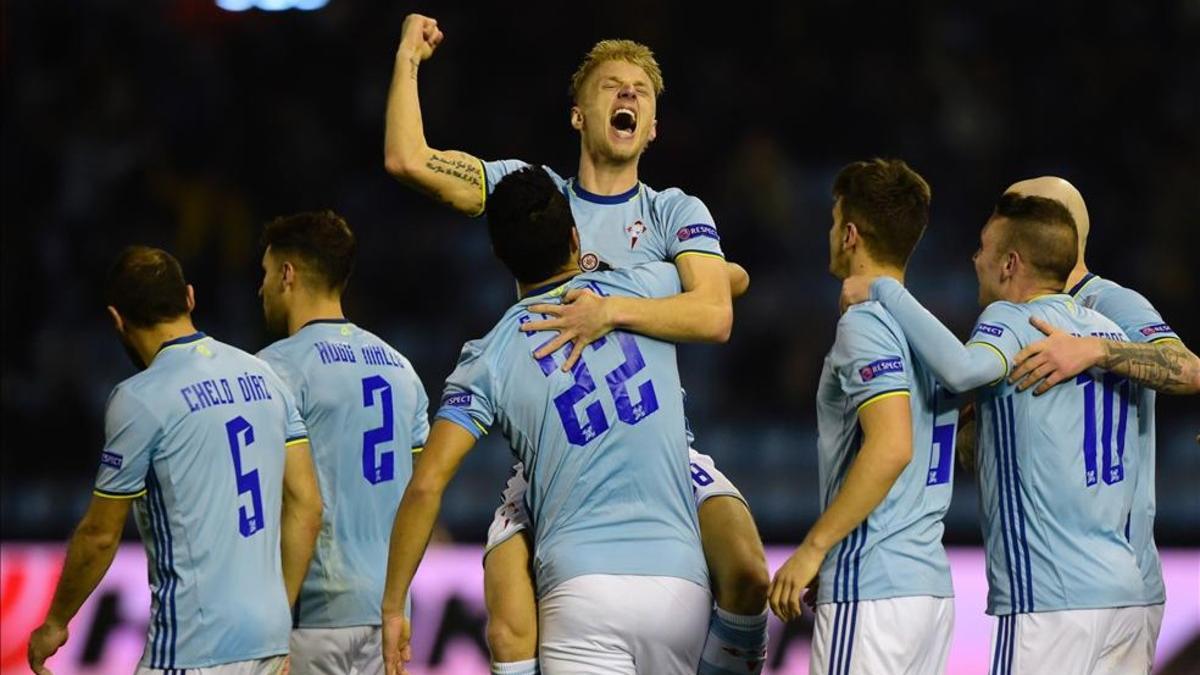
pixel 529 667
pixel 736 645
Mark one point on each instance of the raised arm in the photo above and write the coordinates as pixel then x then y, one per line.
pixel 89 556
pixel 957 366
pixel 886 451
pixel 301 521
pixel 448 444
pixel 452 177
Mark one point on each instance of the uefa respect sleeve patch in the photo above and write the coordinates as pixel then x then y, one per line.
pixel 881 367
pixel 1156 329
pixel 989 329
pixel 111 459
pixel 458 400
pixel 694 231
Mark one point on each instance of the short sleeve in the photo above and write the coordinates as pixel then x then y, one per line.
pixel 689 227
pixel 495 171
pixel 868 359
pixel 131 433
pixel 467 398
pixel 296 431
pixel 1134 314
pixel 995 331
pixel 420 419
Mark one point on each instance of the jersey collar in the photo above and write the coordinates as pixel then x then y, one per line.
pixel 337 322
pixel 533 292
pixel 604 199
pixel 186 339
pixel 1082 282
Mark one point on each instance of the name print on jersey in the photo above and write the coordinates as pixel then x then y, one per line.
pixel 210 393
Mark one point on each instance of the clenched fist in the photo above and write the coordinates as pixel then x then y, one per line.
pixel 419 36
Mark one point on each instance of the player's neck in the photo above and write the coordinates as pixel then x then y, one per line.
pixel 148 342
pixel 606 178
pixel 1077 274
pixel 1028 290
pixel 314 309
pixel 863 266
pixel 523 288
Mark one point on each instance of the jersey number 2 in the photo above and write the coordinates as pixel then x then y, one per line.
pixel 378 467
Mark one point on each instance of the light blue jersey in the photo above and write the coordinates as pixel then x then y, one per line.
pixel 1141 323
pixel 365 408
pixel 1057 473
pixel 897 551
pixel 643 225
pixel 604 446
pixel 198 439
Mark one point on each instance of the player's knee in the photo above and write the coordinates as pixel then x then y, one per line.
pixel 511 640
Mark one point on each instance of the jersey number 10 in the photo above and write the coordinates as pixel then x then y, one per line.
pixel 1113 464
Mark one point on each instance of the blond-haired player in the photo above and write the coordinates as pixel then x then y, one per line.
pixel 622 223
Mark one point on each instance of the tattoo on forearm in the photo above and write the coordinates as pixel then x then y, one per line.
pixel 464 170
pixel 1169 367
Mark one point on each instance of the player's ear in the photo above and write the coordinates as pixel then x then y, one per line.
pixel 288 271
pixel 653 131
pixel 1011 262
pixel 118 322
pixel 576 118
pixel 191 298
pixel 850 237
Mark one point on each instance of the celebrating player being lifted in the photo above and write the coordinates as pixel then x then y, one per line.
pixel 621 223
pixel 622 586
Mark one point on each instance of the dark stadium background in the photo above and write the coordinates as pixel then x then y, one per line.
pixel 179 125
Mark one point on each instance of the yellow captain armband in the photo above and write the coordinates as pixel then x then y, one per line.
pixel 418 450
pixel 1000 354
pixel 296 441
pixel 1169 338
pixel 119 495
pixel 881 396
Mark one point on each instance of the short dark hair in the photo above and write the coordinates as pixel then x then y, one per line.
pixel 146 286
pixel 1042 231
pixel 889 204
pixel 530 223
pixel 322 240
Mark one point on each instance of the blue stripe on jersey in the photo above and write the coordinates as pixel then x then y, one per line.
pixel 1002 496
pixel 835 649
pixel 850 639
pixel 849 554
pixel 1016 469
pixel 168 584
pixel 160 576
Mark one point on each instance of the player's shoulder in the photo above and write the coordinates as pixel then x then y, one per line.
pixel 283 349
pixel 1005 312
pixel 867 317
pixel 651 279
pixel 674 201
pixel 1096 322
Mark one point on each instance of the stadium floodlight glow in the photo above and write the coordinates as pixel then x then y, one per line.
pixel 270 5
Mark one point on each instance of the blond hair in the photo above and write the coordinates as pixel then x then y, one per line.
pixel 618 50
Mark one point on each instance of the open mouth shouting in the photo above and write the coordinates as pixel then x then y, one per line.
pixel 623 122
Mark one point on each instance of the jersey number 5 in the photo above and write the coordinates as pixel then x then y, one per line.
pixel 241 435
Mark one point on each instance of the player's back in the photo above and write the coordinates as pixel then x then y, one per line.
pixel 1053 471
pixel 365 409
pixel 604 446
pixel 897 551
pixel 205 428
pixel 1140 323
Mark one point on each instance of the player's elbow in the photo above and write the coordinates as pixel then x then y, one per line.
pixel 96 536
pixel 720 324
pixel 397 164
pixel 891 456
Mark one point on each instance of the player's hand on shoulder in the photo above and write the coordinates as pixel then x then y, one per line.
pixel 855 289
pixel 397 631
pixel 44 642
pixel 420 36
pixel 1058 357
pixel 581 319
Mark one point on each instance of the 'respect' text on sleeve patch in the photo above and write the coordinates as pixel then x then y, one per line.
pixel 458 400
pixel 1156 329
pixel 989 329
pixel 881 367
pixel 111 459
pixel 693 231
